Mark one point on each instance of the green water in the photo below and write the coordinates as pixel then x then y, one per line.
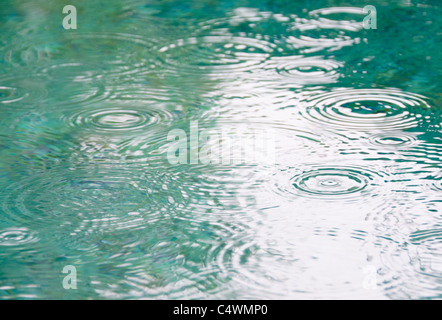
pixel 342 201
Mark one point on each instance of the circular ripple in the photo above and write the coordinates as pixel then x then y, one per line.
pixel 178 260
pixel 367 109
pixel 348 12
pixel 327 182
pixel 281 265
pixel 322 34
pixel 331 182
pixel 117 120
pixel 125 53
pixel 429 244
pixel 167 217
pixel 120 119
pixel 79 94
pixel 75 71
pixel 295 66
pixel 84 200
pixel 29 52
pixel 306 70
pixel 412 265
pixel 307 35
pixel 216 53
pixel 27 92
pixel 21 92
pixel 16 237
pixel 8 95
pixel 392 140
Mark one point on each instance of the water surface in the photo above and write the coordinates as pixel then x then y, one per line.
pixel 344 202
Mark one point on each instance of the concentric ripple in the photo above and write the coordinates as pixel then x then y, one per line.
pixel 354 13
pixel 393 140
pixel 331 182
pixel 29 52
pixel 216 53
pixel 115 120
pixel 85 200
pixel 284 254
pixel 297 66
pixel 330 165
pixel 73 71
pixel 16 237
pixel 126 53
pixel 327 182
pixel 8 95
pixel 367 109
pixel 413 267
pixel 305 70
pixel 429 244
pixel 319 33
pixel 124 119
pixel 21 92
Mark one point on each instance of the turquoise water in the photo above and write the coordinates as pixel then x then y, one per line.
pixel 343 200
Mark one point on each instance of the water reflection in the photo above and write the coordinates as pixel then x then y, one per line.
pixel 347 206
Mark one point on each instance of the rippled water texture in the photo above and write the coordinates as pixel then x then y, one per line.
pixel 343 201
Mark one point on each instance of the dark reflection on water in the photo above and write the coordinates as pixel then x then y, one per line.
pixel 343 200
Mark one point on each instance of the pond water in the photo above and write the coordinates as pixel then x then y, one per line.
pixel 327 133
